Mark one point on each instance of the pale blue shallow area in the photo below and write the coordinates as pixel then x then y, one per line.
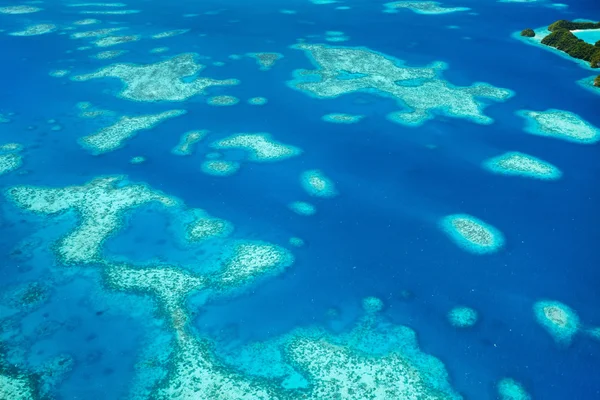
pixel 379 237
pixel 590 35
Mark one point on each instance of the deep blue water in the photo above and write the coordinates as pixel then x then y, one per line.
pixel 378 237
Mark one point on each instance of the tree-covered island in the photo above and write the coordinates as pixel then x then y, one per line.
pixel 561 38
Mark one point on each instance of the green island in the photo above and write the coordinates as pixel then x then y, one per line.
pixel 562 38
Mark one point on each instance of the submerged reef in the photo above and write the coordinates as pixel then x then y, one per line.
pixel 10 162
pixel 109 54
pixel 222 101
pixel 100 207
pixel 340 118
pixel 558 319
pixel 20 387
pixel 302 208
pixel 261 147
pixel 169 284
pixel 257 101
pixel 420 91
pixel 34 30
pixel 372 304
pixel 112 137
pixel 109 41
pixel 137 160
pixel 206 227
pixel 162 81
pixel 561 125
pixel 315 183
pixel 220 167
pixel 463 317
pixel 96 33
pixel 19 9
pixel 168 34
pixel 296 242
pixel 373 360
pixel 422 7
pixel 472 234
pixel 10 159
pixel 109 12
pixel 265 60
pixel 594 333
pixel 187 141
pixel 509 389
pixel 520 164
pixel 247 260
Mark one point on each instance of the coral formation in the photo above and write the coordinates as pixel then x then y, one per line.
pixel 302 208
pixel 205 227
pixel 372 304
pixel 520 164
pixel 19 9
pixel 168 34
pixel 463 317
pixel 560 124
pixel 10 162
pixel 109 54
pixel 422 7
pixel 257 101
pixel 420 91
pixel 247 260
pixel 296 242
pixel 187 141
pixel 558 319
pixel 261 147
pixel 137 160
pixel 509 389
pixel 109 41
pixel 220 167
pixel 100 206
pixel 112 137
pixel 317 184
pixel 34 30
pixel 341 118
pixel 162 81
pixel 265 60
pixel 59 73
pixel 109 12
pixel 16 387
pixel 169 284
pixel 472 234
pixel 222 100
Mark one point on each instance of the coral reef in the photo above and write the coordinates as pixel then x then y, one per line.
pixel 472 234
pixel 520 164
pixel 261 147
pixel 420 91
pixel 112 137
pixel 317 184
pixel 558 319
pixel 100 207
pixel 162 81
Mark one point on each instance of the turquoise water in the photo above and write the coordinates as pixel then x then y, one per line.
pixel 590 36
pixel 296 200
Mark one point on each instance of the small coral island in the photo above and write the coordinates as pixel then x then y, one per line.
pixel 562 38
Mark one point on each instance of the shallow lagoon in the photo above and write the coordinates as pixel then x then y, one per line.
pixel 589 35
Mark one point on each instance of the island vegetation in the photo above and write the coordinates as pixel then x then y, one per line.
pixel 571 25
pixel 561 38
pixel 528 32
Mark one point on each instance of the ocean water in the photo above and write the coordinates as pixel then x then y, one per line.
pixel 70 330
